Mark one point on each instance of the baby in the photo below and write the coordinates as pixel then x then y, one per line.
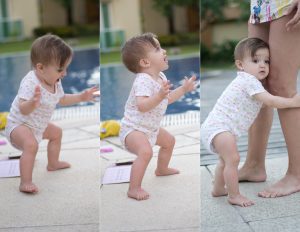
pixel 234 113
pixel 145 107
pixel 40 90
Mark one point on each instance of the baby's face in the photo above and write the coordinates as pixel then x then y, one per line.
pixel 258 65
pixel 157 58
pixel 52 73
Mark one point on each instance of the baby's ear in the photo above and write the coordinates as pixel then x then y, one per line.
pixel 39 66
pixel 239 64
pixel 144 63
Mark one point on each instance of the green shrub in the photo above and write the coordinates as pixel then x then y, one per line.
pixel 68 31
pixel 222 53
pixel 189 38
pixel 62 31
pixel 88 29
pixel 225 51
pixel 178 39
pixel 204 53
pixel 168 40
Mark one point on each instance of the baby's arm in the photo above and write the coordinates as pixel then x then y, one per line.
pixel 278 102
pixel 86 95
pixel 146 104
pixel 187 86
pixel 28 106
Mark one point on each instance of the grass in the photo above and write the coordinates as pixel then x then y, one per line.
pixel 22 46
pixel 115 56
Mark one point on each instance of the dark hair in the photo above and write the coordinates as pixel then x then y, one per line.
pixel 250 46
pixel 48 49
pixel 135 49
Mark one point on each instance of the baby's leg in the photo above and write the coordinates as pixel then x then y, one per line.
pixel 23 138
pixel 137 143
pixel 225 144
pixel 54 134
pixel 166 141
pixel 219 182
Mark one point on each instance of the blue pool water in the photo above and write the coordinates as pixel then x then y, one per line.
pixel 116 82
pixel 83 72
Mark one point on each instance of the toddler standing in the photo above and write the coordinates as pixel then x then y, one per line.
pixel 234 113
pixel 40 90
pixel 145 107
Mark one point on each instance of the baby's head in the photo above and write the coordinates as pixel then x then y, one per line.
pixel 252 56
pixel 137 49
pixel 50 51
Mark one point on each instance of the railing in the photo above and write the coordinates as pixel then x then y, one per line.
pixel 11 29
pixel 111 39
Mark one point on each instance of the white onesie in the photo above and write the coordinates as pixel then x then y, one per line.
pixel 147 122
pixel 38 120
pixel 235 110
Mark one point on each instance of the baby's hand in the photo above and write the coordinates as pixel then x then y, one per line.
pixel 89 94
pixel 189 84
pixel 165 89
pixel 36 99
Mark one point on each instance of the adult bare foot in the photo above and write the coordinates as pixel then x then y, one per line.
pixel 58 165
pixel 28 187
pixel 252 174
pixel 219 192
pixel 286 186
pixel 240 200
pixel 166 172
pixel 138 194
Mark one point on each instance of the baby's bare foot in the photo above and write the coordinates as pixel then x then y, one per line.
pixel 58 165
pixel 240 200
pixel 28 188
pixel 219 192
pixel 138 194
pixel 166 172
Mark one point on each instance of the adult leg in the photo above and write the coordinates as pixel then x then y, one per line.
pixel 166 141
pixel 225 145
pixel 254 166
pixel 54 134
pixel 137 143
pixel 23 138
pixel 285 55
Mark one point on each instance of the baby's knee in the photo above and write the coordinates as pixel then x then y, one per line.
pixel 171 141
pixel 146 154
pixel 58 132
pixel 234 160
pixel 31 146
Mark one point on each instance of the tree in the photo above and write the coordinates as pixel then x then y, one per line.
pixel 166 8
pixel 68 6
pixel 212 11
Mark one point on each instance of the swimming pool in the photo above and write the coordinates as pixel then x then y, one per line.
pixel 116 82
pixel 81 74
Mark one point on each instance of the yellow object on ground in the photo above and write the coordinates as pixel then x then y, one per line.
pixel 3 120
pixel 109 128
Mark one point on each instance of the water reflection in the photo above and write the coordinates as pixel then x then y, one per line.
pixel 116 82
pixel 84 66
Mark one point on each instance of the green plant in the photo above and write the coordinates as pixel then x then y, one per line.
pixel 168 40
pixel 224 51
pixel 204 53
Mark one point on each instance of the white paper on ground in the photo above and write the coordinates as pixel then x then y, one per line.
pixel 117 174
pixel 9 168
